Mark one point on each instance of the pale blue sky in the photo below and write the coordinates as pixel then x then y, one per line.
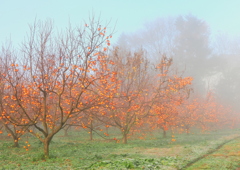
pixel 15 15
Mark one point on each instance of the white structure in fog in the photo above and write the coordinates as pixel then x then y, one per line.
pixel 212 81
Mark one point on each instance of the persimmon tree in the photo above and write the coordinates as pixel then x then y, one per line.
pixel 89 121
pixel 129 104
pixel 164 117
pixel 210 112
pixel 169 91
pixel 57 80
pixel 8 55
pixel 188 115
pixel 204 113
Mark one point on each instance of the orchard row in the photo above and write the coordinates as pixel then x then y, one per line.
pixel 74 78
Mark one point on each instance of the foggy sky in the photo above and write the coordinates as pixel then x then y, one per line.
pixel 128 16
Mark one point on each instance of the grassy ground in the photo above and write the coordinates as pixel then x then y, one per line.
pixel 76 152
pixel 225 158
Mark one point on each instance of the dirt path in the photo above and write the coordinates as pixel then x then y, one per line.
pixel 209 153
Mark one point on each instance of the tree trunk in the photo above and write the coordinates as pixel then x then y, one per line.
pixel 91 134
pixel 164 133
pixel 66 131
pixel 11 131
pixel 46 144
pixel 91 130
pixel 188 130
pixel 66 128
pixel 124 138
pixel 16 144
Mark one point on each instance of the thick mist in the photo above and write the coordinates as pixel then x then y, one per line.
pixel 210 58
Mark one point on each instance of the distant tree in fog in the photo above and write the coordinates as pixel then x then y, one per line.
pixel 156 37
pixel 228 87
pixel 192 49
pixel 184 38
pixel 227 58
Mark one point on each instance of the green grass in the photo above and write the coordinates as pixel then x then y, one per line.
pixel 77 152
pixel 225 158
